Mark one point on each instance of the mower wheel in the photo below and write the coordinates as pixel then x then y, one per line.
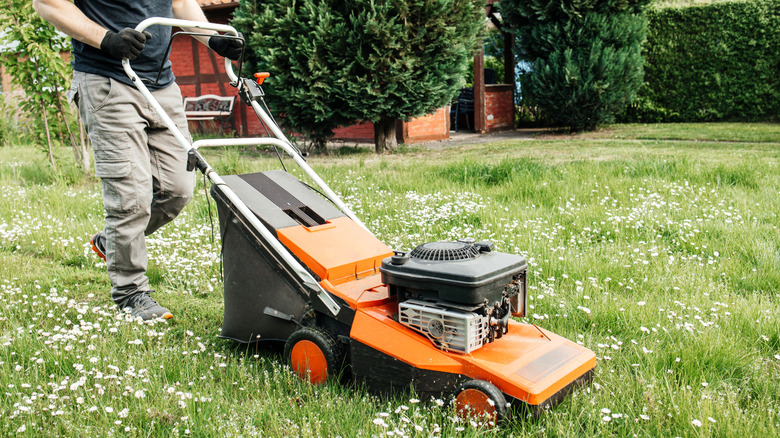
pixel 480 399
pixel 314 355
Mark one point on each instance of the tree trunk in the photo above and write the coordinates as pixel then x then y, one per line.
pixel 384 135
pixel 48 135
pixel 320 145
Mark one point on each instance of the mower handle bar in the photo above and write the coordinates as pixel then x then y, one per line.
pixel 175 22
pixel 285 145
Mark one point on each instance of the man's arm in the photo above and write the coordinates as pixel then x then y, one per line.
pixel 66 17
pixel 190 10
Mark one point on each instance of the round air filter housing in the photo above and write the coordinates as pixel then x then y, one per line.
pixel 439 251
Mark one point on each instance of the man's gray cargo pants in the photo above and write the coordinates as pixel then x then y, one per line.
pixel 142 168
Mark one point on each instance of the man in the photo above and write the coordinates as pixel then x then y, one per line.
pixel 141 165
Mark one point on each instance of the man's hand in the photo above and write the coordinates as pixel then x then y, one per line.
pixel 227 47
pixel 128 43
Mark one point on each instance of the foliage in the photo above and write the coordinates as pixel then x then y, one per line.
pixel 494 53
pixel 336 62
pixel 585 56
pixel 9 124
pixel 33 59
pixel 712 63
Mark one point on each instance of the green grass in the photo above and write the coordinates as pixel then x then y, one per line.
pixel 726 132
pixel 660 4
pixel 660 253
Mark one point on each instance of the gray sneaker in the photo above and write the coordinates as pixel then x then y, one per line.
pixel 142 305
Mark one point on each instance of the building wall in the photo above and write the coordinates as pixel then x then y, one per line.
pixel 200 71
pixel 6 80
pixel 499 107
pixel 357 132
pixel 430 127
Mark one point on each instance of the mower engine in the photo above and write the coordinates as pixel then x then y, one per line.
pixel 459 295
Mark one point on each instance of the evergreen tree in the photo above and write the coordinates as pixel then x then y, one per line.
pixel 337 62
pixel 585 56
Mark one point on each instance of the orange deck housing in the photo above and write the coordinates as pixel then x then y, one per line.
pixel 528 363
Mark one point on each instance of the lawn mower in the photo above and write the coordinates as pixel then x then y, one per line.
pixel 302 269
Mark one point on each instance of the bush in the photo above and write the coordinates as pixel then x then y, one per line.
pixel 586 63
pixel 9 125
pixel 335 62
pixel 716 62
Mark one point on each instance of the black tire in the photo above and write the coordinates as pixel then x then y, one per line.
pixel 314 355
pixel 481 400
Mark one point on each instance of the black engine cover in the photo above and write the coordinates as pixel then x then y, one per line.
pixel 458 272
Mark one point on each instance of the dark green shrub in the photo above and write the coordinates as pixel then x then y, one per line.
pixel 586 63
pixel 336 62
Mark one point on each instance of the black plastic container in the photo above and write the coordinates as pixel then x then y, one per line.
pixel 257 281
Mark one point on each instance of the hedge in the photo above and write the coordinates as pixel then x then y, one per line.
pixel 711 63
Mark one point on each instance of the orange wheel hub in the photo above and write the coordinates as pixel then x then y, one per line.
pixel 308 362
pixel 475 403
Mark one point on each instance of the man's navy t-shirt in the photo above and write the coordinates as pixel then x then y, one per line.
pixel 116 15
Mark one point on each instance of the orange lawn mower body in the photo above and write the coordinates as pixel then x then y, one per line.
pixel 377 334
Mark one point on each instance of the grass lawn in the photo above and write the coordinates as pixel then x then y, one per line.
pixel 655 246
pixel 725 132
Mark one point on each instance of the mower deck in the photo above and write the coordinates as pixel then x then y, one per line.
pixel 528 363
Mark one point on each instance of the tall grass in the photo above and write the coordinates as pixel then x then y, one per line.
pixel 661 257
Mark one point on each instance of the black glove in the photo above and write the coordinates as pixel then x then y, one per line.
pixel 227 47
pixel 128 43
